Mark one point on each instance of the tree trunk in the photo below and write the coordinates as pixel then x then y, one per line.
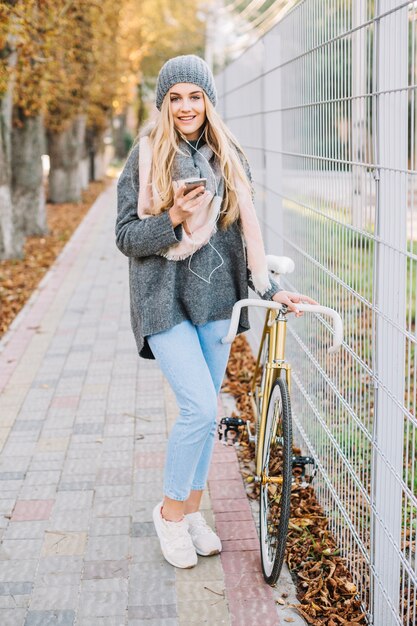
pixel 85 161
pixel 119 129
pixel 65 152
pixel 101 156
pixel 28 193
pixel 11 240
pixel 99 153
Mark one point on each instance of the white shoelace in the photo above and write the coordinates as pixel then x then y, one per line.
pixel 178 533
pixel 199 525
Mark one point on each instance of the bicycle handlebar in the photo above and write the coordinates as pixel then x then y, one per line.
pixel 310 308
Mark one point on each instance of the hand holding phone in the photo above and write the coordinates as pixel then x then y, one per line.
pixel 184 207
pixel 193 183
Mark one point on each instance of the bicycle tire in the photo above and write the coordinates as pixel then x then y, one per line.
pixel 273 521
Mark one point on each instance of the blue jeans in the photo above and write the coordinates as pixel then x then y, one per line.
pixel 193 360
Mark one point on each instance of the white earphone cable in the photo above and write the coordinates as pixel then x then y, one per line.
pixel 207 280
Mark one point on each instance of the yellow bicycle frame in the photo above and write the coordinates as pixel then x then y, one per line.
pixel 275 327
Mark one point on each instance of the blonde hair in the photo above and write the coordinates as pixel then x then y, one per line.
pixel 164 138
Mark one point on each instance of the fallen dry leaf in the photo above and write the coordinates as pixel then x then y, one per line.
pixel 325 589
pixel 20 277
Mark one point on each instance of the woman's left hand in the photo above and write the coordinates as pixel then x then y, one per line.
pixel 290 299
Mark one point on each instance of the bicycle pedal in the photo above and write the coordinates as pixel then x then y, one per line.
pixel 230 425
pixel 252 438
pixel 301 462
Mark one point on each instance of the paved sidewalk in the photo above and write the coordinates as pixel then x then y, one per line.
pixel 83 429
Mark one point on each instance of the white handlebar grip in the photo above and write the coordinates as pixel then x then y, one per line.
pixel 337 322
pixel 268 304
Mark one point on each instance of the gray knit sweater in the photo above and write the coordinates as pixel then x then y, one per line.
pixel 164 293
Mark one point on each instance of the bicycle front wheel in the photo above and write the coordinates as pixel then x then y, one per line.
pixel 275 496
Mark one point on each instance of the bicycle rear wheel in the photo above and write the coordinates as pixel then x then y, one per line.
pixel 274 510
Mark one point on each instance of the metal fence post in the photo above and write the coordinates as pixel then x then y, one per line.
pixel 273 125
pixel 391 50
pixel 359 77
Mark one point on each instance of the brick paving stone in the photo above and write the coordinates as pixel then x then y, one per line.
pixel 73 520
pixel 58 579
pixel 12 549
pixel 79 466
pixel 26 530
pixel 18 570
pixel 240 545
pixel 21 448
pixel 64 543
pixel 146 549
pixel 45 464
pixel 208 568
pixel 150 611
pixel 124 430
pixel 114 620
pixel 11 487
pixel 143 529
pixel 147 491
pixel 37 492
pixel 120 476
pixel 167 621
pixel 112 491
pixel 102 603
pixel 62 597
pixel 76 486
pixel 198 612
pixel 247 610
pixel 229 516
pixel 50 477
pixel 110 526
pixel 117 443
pixel 53 444
pixel 108 547
pixel 73 500
pixel 236 530
pixel 15 588
pixel 12 617
pixel 139 573
pixel 88 428
pixel 18 464
pixel 226 489
pixel 65 402
pixel 225 506
pixel 50 618
pixel 106 569
pixel 153 592
pixel 208 591
pixel 60 564
pixel 149 459
pixel 112 507
pixel 148 475
pixel 15 601
pixel 27 426
pixel 241 562
pixel 114 459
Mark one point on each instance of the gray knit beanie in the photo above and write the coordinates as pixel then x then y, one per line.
pixel 187 68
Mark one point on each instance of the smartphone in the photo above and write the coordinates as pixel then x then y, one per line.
pixel 193 183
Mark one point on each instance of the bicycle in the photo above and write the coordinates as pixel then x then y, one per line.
pixel 270 398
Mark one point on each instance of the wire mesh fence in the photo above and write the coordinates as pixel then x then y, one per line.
pixel 324 106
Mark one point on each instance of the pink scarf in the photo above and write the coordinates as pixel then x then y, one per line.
pixel 203 225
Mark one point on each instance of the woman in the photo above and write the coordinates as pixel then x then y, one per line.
pixel 191 257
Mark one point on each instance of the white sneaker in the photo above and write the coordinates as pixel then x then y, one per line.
pixel 176 544
pixel 205 540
